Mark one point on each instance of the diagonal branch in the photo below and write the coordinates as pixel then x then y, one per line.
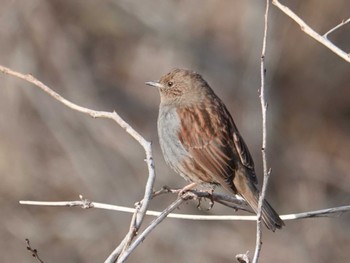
pixel 152 226
pixel 33 251
pixel 312 33
pixel 139 216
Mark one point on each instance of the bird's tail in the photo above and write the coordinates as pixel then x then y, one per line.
pixel 268 214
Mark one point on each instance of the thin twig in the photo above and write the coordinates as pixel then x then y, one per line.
pixel 263 148
pixel 132 230
pixel 109 115
pixel 344 22
pixel 33 251
pixel 224 199
pixel 310 214
pixel 312 33
pixel 243 258
pixel 152 226
pixel 335 211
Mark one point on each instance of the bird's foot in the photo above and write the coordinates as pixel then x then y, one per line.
pixel 186 189
pixel 208 194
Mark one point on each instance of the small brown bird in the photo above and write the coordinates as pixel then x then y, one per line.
pixel 200 141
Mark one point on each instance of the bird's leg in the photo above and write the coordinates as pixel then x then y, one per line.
pixel 211 199
pixel 209 196
pixel 187 188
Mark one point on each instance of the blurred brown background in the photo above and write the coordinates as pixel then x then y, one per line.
pixel 99 54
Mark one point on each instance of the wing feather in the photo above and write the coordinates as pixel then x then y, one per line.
pixel 220 148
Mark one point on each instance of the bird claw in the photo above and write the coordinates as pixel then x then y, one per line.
pixel 186 189
pixel 188 195
pixel 182 192
pixel 211 201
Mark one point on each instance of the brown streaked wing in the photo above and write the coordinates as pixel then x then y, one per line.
pixel 205 134
pixel 242 150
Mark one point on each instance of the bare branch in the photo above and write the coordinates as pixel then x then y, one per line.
pixel 109 115
pixel 33 251
pixel 263 148
pixel 243 258
pixel 335 211
pixel 344 22
pixel 152 226
pixel 311 214
pixel 226 200
pixel 312 33
pixel 132 230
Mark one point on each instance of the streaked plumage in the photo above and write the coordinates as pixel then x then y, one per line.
pixel 201 142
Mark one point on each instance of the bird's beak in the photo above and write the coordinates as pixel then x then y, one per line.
pixel 154 84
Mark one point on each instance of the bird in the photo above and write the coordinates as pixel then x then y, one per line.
pixel 200 141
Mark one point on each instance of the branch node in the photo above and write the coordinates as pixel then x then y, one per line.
pixel 312 33
pixel 86 204
pixel 33 251
pixel 243 258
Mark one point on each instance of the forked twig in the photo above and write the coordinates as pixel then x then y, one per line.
pixel 344 22
pixel 152 226
pixel 115 117
pixel 312 33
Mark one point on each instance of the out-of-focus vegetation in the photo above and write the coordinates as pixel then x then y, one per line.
pixel 99 54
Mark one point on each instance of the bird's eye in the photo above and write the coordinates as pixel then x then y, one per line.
pixel 170 84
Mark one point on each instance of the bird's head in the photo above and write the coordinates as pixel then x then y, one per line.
pixel 181 86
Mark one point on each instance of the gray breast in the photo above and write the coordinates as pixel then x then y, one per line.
pixel 168 128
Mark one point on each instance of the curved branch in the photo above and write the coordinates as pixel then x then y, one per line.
pixel 115 117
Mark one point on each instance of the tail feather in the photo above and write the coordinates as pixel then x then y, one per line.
pixel 269 216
